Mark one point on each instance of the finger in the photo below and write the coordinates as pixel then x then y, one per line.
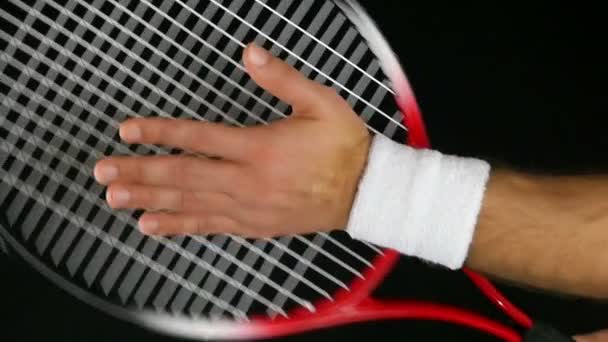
pixel 185 224
pixel 212 139
pixel 121 196
pixel 182 172
pixel 284 81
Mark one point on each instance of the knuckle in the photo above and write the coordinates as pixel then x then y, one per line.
pixel 177 199
pixel 221 224
pixel 178 132
pixel 196 225
pixel 185 170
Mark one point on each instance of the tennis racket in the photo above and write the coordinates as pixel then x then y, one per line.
pixel 72 70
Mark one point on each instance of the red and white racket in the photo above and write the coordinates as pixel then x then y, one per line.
pixel 71 70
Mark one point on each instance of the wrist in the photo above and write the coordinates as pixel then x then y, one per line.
pixel 420 202
pixel 350 164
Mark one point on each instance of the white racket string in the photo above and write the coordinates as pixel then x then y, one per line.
pixel 96 72
pixel 208 244
pixel 229 59
pixel 37 98
pixel 202 41
pixel 342 246
pixel 129 220
pixel 280 265
pixel 53 65
pixel 349 251
pixel 116 244
pixel 329 256
pixel 326 46
pixel 9 103
pixel 128 71
pixel 183 50
pixel 214 49
pixel 123 149
pixel 340 263
pixel 162 110
pixel 172 61
pixel 125 218
pixel 205 43
pixel 45 124
pixel 237 41
pixel 58 68
pixel 308 263
pixel 373 248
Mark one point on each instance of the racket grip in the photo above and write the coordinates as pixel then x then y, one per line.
pixel 541 332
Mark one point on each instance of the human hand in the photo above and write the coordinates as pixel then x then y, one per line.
pixel 294 176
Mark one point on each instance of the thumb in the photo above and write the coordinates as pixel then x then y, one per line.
pixel 283 81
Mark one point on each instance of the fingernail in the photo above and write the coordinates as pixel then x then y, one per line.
pixel 118 197
pixel 130 132
pixel 105 173
pixel 148 226
pixel 258 56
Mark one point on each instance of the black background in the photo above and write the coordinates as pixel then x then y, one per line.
pixel 521 86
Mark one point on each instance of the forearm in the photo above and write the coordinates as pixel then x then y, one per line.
pixel 547 232
pixel 544 231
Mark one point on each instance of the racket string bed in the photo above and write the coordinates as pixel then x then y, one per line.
pixel 94 77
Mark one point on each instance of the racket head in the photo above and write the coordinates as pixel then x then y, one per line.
pixel 72 70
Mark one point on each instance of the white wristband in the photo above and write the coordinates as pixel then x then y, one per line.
pixel 419 202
